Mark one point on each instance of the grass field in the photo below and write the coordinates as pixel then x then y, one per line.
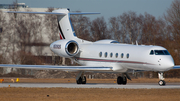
pixel 88 94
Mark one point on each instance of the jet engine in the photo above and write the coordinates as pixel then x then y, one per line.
pixel 65 48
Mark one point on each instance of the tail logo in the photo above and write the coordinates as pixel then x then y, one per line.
pixel 61 36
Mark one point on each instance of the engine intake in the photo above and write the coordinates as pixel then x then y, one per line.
pixel 72 48
pixel 65 48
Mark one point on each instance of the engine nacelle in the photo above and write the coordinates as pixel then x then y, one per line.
pixel 65 48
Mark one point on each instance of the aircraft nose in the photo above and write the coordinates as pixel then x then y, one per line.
pixel 168 63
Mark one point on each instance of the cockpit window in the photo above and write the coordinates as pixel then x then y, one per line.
pixel 166 52
pixel 152 52
pixel 161 52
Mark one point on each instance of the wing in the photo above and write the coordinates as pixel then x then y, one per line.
pixel 176 67
pixel 65 68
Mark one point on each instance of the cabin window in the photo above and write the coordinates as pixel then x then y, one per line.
pixel 100 54
pixel 151 52
pixel 122 55
pixel 105 54
pixel 116 55
pixel 111 55
pixel 127 55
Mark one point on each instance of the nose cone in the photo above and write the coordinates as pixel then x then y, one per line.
pixel 168 63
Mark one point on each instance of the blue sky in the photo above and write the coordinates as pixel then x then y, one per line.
pixel 107 8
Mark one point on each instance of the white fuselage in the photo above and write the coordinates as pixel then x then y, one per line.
pixel 136 57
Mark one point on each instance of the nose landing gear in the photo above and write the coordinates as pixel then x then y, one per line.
pixel 161 82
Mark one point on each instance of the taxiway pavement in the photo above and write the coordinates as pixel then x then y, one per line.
pixel 92 85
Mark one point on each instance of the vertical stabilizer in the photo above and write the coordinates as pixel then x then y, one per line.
pixel 66 30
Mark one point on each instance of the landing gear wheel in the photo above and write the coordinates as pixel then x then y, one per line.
pixel 124 81
pixel 84 80
pixel 162 83
pixel 119 80
pixel 79 81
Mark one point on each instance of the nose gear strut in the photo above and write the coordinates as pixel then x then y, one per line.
pixel 161 82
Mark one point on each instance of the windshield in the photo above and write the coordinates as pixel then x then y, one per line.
pixel 159 52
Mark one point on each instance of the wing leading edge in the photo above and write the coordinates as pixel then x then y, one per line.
pixel 65 68
pixel 176 67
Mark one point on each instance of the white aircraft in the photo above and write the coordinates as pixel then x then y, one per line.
pixel 107 56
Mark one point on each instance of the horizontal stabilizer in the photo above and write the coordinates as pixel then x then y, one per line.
pixel 54 13
pixel 65 68
pixel 176 67
pixel 83 13
pixel 36 12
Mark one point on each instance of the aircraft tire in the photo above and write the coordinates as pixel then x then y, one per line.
pixel 162 83
pixel 84 80
pixel 124 81
pixel 119 80
pixel 79 81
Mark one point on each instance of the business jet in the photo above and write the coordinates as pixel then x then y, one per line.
pixel 108 56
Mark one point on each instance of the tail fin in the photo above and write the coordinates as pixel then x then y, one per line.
pixel 64 23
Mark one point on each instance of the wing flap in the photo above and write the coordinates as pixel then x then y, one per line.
pixel 65 68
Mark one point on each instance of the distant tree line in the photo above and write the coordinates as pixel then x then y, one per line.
pixel 19 32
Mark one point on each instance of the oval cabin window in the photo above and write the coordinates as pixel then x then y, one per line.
pixel 116 55
pixel 127 55
pixel 100 54
pixel 105 54
pixel 122 55
pixel 111 55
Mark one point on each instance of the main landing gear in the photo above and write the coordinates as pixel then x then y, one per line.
pixel 161 82
pixel 123 79
pixel 81 79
